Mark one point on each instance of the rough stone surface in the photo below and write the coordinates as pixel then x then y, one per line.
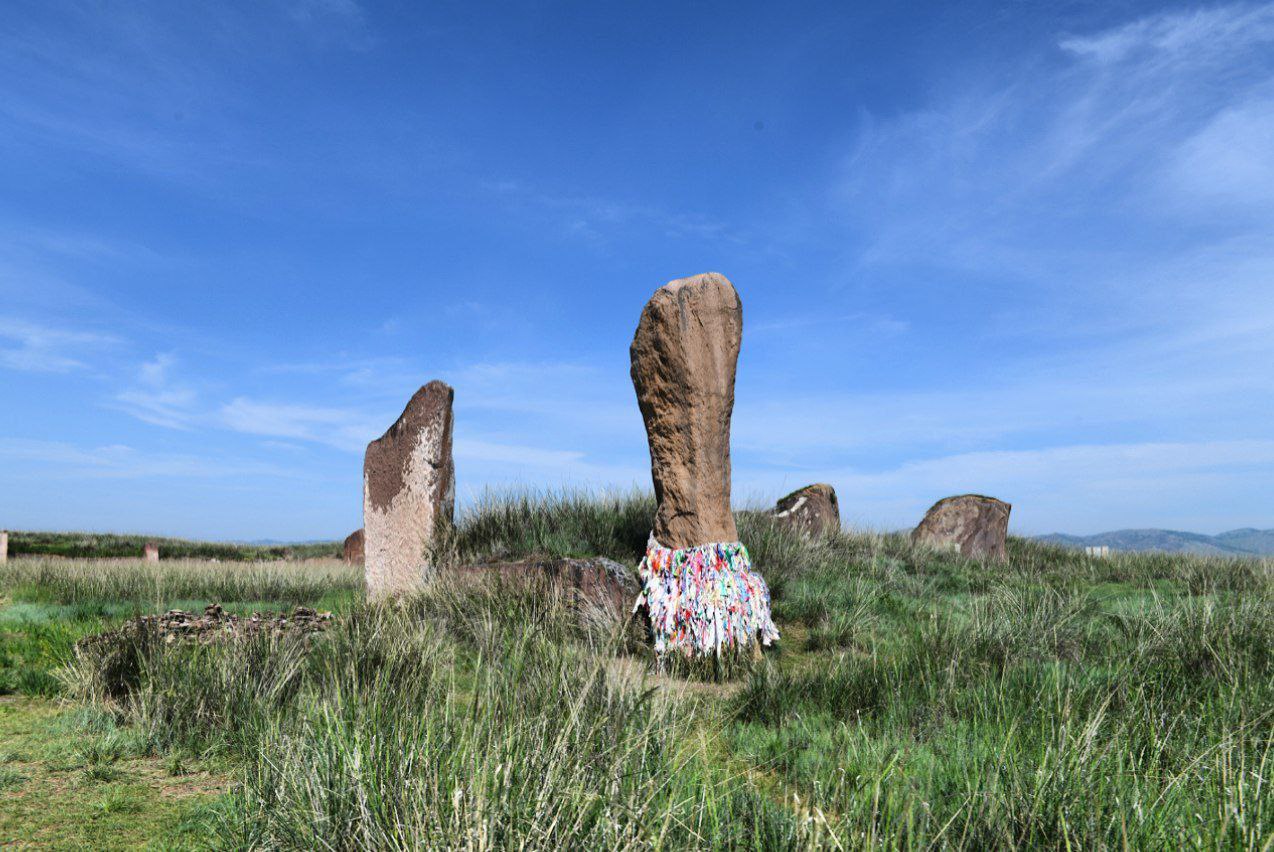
pixel 597 580
pixel 812 509
pixel 684 357
pixel 215 623
pixel 117 655
pixel 4 546
pixel 409 492
pixel 974 525
pixel 353 550
pixel 151 552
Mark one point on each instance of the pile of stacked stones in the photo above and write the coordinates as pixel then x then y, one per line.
pixel 213 625
pixel 683 358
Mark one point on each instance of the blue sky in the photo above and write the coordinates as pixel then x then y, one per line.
pixel 1019 248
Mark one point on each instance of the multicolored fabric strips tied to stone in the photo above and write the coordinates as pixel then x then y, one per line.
pixel 704 600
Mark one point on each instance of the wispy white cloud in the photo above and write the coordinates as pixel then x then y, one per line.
pixel 342 428
pixel 120 461
pixel 1172 37
pixel 155 397
pixel 40 348
pixel 597 219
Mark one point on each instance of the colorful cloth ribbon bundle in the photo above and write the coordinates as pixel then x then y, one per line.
pixel 704 600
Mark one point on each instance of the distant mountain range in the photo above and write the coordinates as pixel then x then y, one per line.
pixel 1244 542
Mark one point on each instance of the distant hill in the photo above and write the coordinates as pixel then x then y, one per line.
pixel 1253 541
pixel 1244 542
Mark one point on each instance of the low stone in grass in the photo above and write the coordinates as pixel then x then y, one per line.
pixel 353 550
pixel 597 580
pixel 812 509
pixel 971 524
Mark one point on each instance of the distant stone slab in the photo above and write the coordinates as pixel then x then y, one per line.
pixel 684 356
pixel 409 493
pixel 353 550
pixel 151 552
pixel 4 546
pixel 812 509
pixel 973 525
pixel 598 580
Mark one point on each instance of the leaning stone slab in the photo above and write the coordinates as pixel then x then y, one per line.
pixel 684 356
pixel 409 493
pixel 973 525
pixel 813 509
pixel 353 550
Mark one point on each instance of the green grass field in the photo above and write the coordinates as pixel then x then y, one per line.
pixel 79 545
pixel 917 700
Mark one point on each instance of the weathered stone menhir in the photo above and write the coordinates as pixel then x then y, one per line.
pixel 973 525
pixel 4 546
pixel 409 493
pixel 684 356
pixel 812 509
pixel 353 550
pixel 151 552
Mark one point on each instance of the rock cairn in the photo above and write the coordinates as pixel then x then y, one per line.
pixel 212 625
pixel 812 509
pixel 409 487
pixel 698 586
pixel 971 524
pixel 353 550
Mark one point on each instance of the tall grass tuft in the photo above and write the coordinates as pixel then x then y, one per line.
pixel 549 524
pixel 465 719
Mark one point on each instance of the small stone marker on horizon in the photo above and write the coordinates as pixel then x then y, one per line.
pixel 4 546
pixel 151 552
pixel 409 493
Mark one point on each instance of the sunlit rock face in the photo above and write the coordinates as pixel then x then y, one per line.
pixel 971 524
pixel 684 357
pixel 409 493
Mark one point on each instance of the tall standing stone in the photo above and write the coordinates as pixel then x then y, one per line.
pixel 409 492
pixel 151 552
pixel 684 356
pixel 4 546
pixel 973 525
